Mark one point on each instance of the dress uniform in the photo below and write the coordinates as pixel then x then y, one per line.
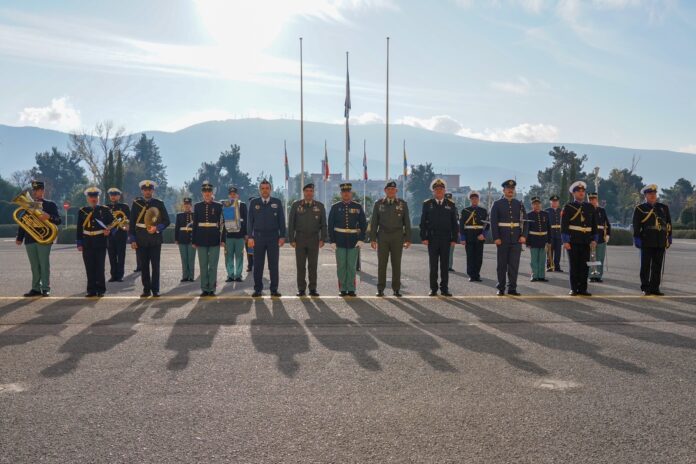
pixel 39 254
pixel 603 234
pixel 118 238
pixel 183 232
pixel 450 266
pixel 508 228
pixel 652 234
pixel 579 231
pixel 538 239
pixel 208 236
pixel 439 227
pixel 266 226
pixel 307 231
pixel 92 233
pixel 390 231
pixel 347 226
pixel 556 240
pixel 148 243
pixel 249 249
pixel 235 236
pixel 473 225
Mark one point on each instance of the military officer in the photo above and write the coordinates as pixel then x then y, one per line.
pixel 93 230
pixel 118 238
pixel 235 235
pixel 38 253
pixel 307 232
pixel 439 229
pixel 266 228
pixel 207 237
pixel 652 234
pixel 450 267
pixel 538 239
pixel 249 249
pixel 508 228
pixel 347 225
pixel 554 213
pixel 182 237
pixel 146 239
pixel 603 235
pixel 390 233
pixel 579 234
pixel 473 226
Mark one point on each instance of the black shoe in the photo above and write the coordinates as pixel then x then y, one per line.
pixel 100 295
pixel 185 279
pixel 211 293
pixel 351 294
pixel 300 293
pixel 113 279
pixel 559 270
pixel 276 294
pixel 90 295
pixel 472 279
pixel 229 279
pixel 500 293
pixel 543 280
pixel 572 293
pixel 343 293
pixel 514 293
pixel 257 294
pixel 657 293
pixel 379 293
pixel 203 294
pixel 249 269
pixel 478 279
pixel 598 280
pixel 451 269
pixel 398 294
pixel 534 279
pixel 445 293
pixel 432 293
pixel 31 293
pixel 145 295
pixel 584 293
pixel 155 294
pixel 238 279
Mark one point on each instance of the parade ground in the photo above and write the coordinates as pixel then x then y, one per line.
pixel 476 378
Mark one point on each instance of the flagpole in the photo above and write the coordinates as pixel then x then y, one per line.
pixel 403 178
pixel 323 174
pixel 364 176
pixel 301 121
pixel 387 120
pixel 347 117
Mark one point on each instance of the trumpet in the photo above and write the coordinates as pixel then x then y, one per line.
pixel 27 217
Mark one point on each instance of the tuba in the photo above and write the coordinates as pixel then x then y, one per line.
pixel 27 216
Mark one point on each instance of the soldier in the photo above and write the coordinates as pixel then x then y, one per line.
pixel 390 233
pixel 450 267
pixel 538 239
pixel 93 223
pixel 603 235
pixel 554 213
pixel 207 237
pixel 146 239
pixel 266 228
pixel 39 254
pixel 182 237
pixel 249 249
pixel 118 238
pixel 579 234
pixel 235 235
pixel 508 227
pixel 438 231
pixel 652 234
pixel 347 225
pixel 307 232
pixel 473 226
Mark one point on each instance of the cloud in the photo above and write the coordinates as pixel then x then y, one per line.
pixel 519 86
pixel 59 115
pixel 688 149
pixel 522 133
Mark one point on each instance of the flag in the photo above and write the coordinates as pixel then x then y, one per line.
pixel 364 164
pixel 287 166
pixel 346 110
pixel 405 162
pixel 326 163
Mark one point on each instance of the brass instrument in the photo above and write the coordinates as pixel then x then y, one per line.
pixel 550 262
pixel 27 217
pixel 151 217
pixel 120 220
pixel 593 263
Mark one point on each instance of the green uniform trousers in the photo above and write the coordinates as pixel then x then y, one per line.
pixel 234 257
pixel 601 251
pixel 538 263
pixel 208 257
pixel 40 266
pixel 188 260
pixel 346 260
pixel 389 245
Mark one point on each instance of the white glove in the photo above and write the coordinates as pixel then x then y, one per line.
pixel 359 243
pixel 333 246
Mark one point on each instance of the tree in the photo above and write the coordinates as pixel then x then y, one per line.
pixel 119 172
pixel 144 163
pixel 106 138
pixel 21 179
pixel 566 168
pixel 7 190
pixel 677 196
pixel 418 187
pixel 109 172
pixel 622 193
pixel 223 173
pixel 61 172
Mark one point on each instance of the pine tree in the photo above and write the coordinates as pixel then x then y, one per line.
pixel 118 173
pixel 147 155
pixel 109 171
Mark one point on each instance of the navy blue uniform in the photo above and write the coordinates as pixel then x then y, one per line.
pixel 538 229
pixel 439 225
pixel 266 224
pixel 579 228
pixel 184 228
pixel 207 230
pixel 652 233
pixel 508 225
pixel 117 241
pixel 473 223
pixel 349 217
pixel 149 245
pixel 556 240
pixel 91 223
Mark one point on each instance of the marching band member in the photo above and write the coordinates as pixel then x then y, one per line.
pixel 473 226
pixel 538 238
pixel 579 233
pixel 207 237
pixel 652 234
pixel 118 238
pixel 235 235
pixel 603 234
pixel 554 213
pixel 182 237
pixel 347 226
pixel 93 230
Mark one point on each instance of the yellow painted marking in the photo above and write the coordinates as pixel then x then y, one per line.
pixel 336 297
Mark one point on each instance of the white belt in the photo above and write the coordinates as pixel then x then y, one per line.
pixel 92 233
pixel 142 226
pixel 508 224
pixel 537 233
pixel 580 229
pixel 347 231
pixel 208 224
pixel 473 227
pixel 600 227
pixel 556 226
pixel 186 229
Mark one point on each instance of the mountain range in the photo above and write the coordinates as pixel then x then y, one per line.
pixel 261 143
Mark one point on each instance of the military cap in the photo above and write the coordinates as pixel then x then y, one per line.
pixel 536 200
pixel 438 183
pixel 510 183
pixel 474 193
pixel 346 187
pixel 231 189
pixel 651 188
pixel 206 186
pixel 554 198
pixel 187 201
pixel 92 192
pixel 113 191
pixel 592 195
pixel 390 184
pixel 308 186
pixel 37 185
pixel 577 185
pixel 147 184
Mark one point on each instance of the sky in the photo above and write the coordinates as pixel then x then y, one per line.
pixel 610 72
